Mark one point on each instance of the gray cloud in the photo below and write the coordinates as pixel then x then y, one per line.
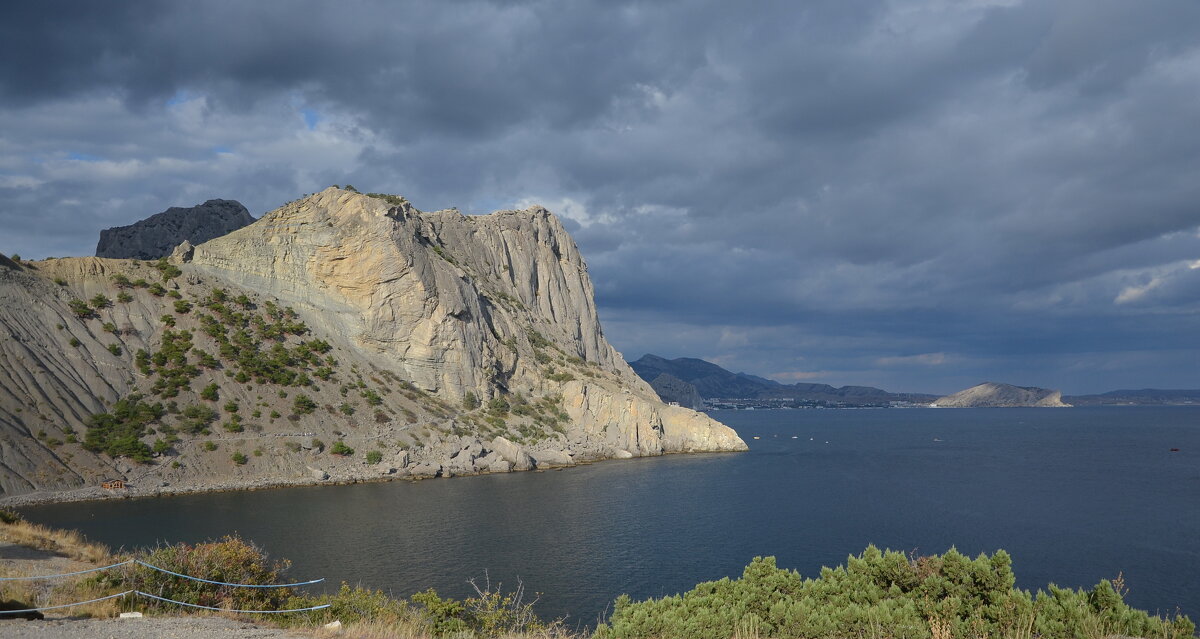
pixel 912 195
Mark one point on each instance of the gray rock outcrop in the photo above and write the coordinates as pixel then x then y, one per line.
pixel 672 389
pixel 994 395
pixel 157 235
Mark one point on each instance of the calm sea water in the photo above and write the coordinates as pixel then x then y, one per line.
pixel 1075 495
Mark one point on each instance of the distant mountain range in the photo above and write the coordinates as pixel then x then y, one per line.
pixel 685 379
pixel 713 383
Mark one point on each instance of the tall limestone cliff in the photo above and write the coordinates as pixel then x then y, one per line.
pixel 157 235
pixel 432 344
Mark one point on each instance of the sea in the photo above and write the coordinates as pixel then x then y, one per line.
pixel 1074 495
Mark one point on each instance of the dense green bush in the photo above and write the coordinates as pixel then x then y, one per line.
pixel 80 308
pixel 168 270
pixel 196 418
pixel 118 432
pixel 341 449
pixel 887 594
pixel 303 404
pixel 230 560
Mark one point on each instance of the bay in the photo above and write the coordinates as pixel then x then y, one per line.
pixel 1074 495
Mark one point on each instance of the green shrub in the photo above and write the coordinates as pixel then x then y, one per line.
pixel 60 281
pixel 536 339
pixel 182 306
pixel 470 401
pixel 114 349
pixel 231 406
pixel 372 397
pixel 346 408
pixel 100 300
pixel 350 606
pixel 80 308
pixel 230 560
pixel 341 449
pixel 74 341
pixel 118 432
pixel 210 446
pixel 303 404
pixel 196 418
pixel 374 457
pixel 210 392
pixel 124 297
pixel 168 270
pixel 239 458
pixel 886 593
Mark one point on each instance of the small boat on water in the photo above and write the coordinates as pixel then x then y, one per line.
pixel 795 437
pixel 757 437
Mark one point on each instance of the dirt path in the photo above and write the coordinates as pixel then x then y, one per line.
pixel 144 628
pixel 17 560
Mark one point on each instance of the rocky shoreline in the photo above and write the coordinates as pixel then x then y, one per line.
pixel 331 476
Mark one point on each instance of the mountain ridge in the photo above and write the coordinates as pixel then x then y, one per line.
pixel 438 343
pixel 156 236
pixel 713 382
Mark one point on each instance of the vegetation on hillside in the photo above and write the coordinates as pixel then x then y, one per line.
pixel 118 432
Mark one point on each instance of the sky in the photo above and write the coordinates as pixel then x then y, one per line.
pixel 916 195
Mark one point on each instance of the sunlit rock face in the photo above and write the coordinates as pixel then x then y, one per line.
pixel 476 335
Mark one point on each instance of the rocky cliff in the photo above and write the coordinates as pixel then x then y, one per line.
pixel 157 235
pixel 671 389
pixel 991 394
pixel 341 337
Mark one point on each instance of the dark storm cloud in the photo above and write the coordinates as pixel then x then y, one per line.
pixel 891 193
